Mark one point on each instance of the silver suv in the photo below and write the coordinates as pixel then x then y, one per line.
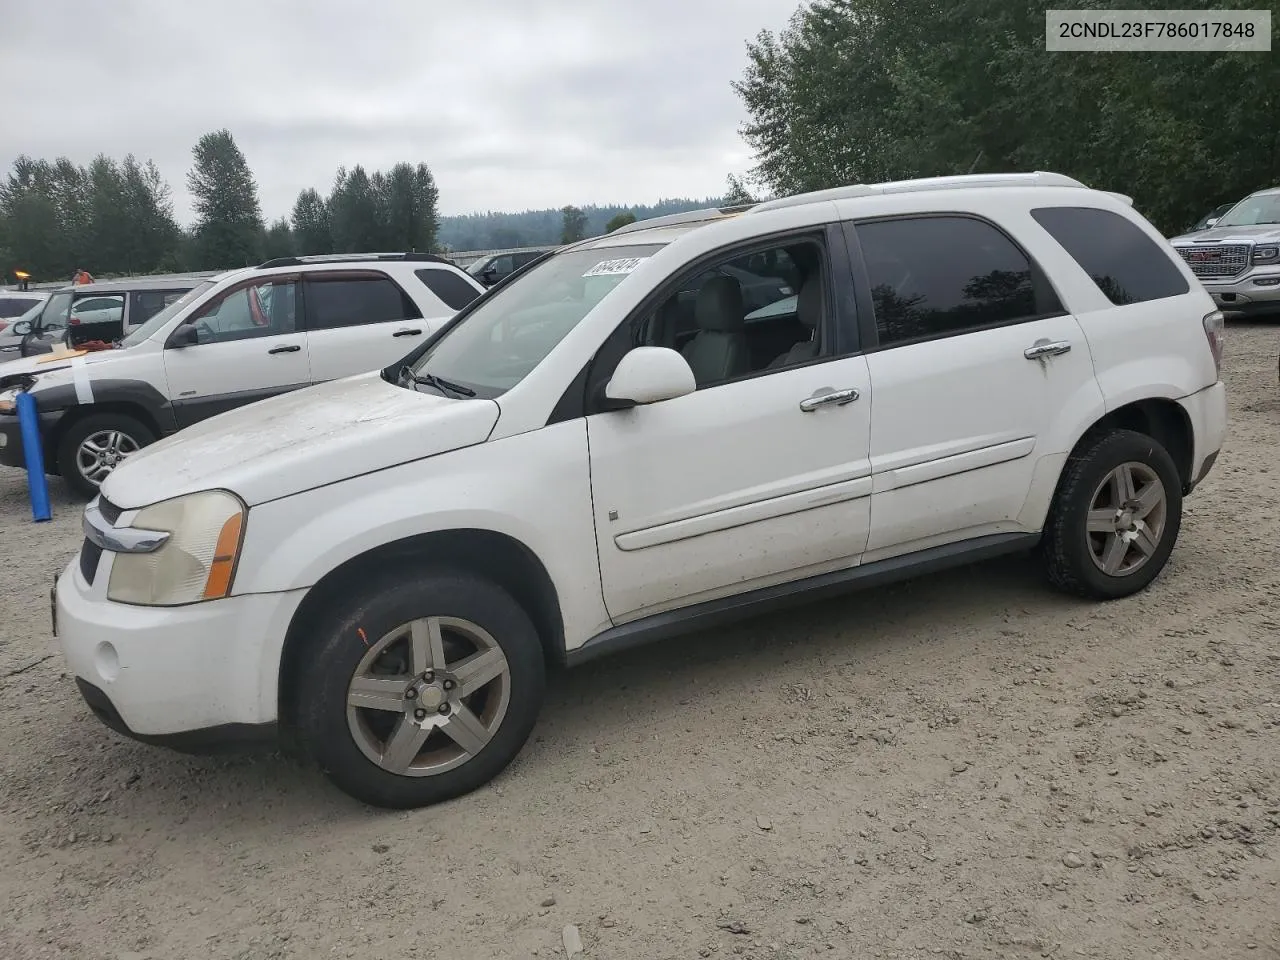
pixel 1238 259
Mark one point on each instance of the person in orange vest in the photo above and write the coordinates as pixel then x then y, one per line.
pixel 81 276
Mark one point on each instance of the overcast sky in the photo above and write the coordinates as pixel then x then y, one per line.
pixel 514 104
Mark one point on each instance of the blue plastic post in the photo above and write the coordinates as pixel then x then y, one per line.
pixel 33 452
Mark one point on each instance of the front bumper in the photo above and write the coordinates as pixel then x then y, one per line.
pixel 1257 291
pixel 176 675
pixel 11 451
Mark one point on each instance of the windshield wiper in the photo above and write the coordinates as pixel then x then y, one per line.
pixel 439 383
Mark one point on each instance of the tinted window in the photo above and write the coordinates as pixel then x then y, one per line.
pixel 1122 260
pixel 941 276
pixel 145 304
pixel 263 309
pixel 15 306
pixel 455 292
pixel 347 301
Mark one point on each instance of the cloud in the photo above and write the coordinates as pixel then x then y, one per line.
pixel 513 103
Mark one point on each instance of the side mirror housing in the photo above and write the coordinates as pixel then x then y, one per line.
pixel 22 328
pixel 648 375
pixel 185 336
pixel 1212 221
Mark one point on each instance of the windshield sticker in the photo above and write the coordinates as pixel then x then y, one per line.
pixel 610 268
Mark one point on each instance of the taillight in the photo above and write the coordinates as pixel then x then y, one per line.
pixel 1215 327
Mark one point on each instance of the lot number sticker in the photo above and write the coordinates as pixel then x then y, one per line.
pixel 610 268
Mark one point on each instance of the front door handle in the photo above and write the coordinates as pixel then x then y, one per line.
pixel 407 333
pixel 291 348
pixel 1046 348
pixel 827 396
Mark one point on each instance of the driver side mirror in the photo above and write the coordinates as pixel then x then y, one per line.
pixel 1212 221
pixel 648 375
pixel 22 328
pixel 185 336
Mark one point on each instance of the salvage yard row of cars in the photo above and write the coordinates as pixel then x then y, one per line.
pixel 688 420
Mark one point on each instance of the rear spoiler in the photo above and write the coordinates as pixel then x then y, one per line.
pixel 1126 200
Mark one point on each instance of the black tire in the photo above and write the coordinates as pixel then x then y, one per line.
pixel 82 429
pixel 340 645
pixel 1065 549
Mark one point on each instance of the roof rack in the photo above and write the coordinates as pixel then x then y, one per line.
pixel 676 219
pixel 961 181
pixel 350 258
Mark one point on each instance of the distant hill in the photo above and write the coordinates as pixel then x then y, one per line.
pixel 495 231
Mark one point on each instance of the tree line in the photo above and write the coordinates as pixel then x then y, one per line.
pixel 116 217
pixel 858 91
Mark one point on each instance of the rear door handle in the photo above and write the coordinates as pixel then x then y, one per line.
pixel 827 397
pixel 407 333
pixel 1046 348
pixel 291 348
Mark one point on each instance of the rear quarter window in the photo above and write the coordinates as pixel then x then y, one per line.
pixel 450 288
pixel 1126 264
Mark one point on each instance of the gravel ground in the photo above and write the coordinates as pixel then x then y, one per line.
pixel 963 766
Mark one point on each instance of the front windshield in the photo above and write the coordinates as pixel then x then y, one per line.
pixel 1252 211
pixel 506 336
pixel 145 331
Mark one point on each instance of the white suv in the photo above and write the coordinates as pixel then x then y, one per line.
pixel 591 456
pixel 228 341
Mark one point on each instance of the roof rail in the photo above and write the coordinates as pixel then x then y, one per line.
pixel 351 258
pixel 961 181
pixel 675 219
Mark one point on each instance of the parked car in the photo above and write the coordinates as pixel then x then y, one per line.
pixel 1211 218
pixel 229 340
pixel 15 303
pixel 103 312
pixel 1238 258
pixel 383 566
pixel 491 270
pixel 13 329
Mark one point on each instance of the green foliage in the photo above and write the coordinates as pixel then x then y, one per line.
pixel 394 210
pixel 278 241
pixel 229 226
pixel 111 217
pixel 865 90
pixel 573 225
pixel 311 229
pixel 736 192
pixel 621 220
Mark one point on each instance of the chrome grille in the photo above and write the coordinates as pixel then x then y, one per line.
pixel 1222 260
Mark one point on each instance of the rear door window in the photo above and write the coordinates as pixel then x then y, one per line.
pixel 351 299
pixel 1123 261
pixel 454 292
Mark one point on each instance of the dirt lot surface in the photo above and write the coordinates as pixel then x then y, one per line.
pixel 964 766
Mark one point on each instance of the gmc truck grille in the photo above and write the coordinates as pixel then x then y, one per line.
pixel 1219 261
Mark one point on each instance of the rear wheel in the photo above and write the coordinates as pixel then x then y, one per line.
pixel 93 447
pixel 421 689
pixel 1115 518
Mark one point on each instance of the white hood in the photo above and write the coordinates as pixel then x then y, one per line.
pixel 301 440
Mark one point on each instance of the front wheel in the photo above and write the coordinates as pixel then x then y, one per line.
pixel 1115 518
pixel 420 689
pixel 93 447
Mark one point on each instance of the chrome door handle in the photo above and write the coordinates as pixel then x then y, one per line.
pixel 1046 348
pixel 828 396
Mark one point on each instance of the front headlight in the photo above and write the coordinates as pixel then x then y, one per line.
pixel 195 563
pixel 8 399
pixel 1266 255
